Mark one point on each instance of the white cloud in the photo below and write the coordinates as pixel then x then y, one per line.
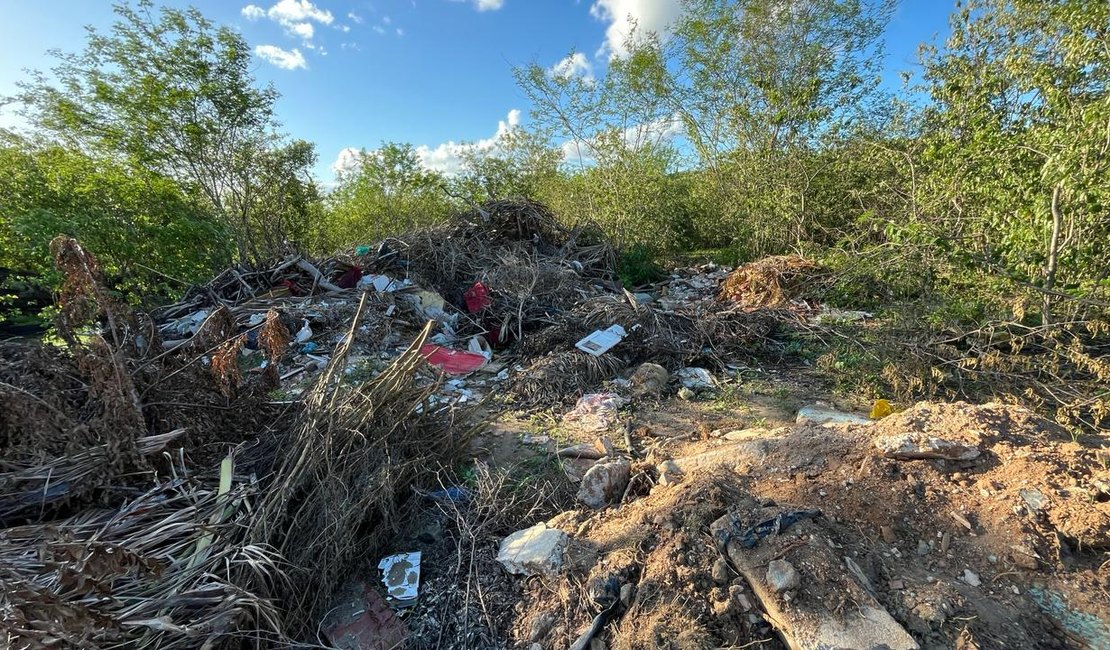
pixel 379 29
pixel 573 65
pixel 293 11
pixel 386 20
pixel 346 160
pixel 400 32
pixel 343 28
pixel 655 132
pixel 284 59
pixel 447 157
pixel 302 30
pixel 354 17
pixel 625 15
pixel 252 12
pixel 485 5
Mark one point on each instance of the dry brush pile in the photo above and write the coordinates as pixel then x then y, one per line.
pixel 108 543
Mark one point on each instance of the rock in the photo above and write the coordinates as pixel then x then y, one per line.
pixel 919 446
pixel 669 473
pixel 720 572
pixel 971 578
pixel 649 379
pixel 598 644
pixel 747 434
pixel 782 576
pixel 541 625
pixel 604 482
pixel 888 534
pixel 535 646
pixel 729 456
pixel 591 451
pixel 628 592
pixel 1024 557
pixel 533 551
pixel 823 414
pixel 686 394
pixel 923 547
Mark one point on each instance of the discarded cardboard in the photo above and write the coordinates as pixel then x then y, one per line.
pixel 601 341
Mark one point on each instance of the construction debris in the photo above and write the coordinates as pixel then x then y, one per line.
pixel 224 465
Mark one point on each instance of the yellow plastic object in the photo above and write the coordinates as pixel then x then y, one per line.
pixel 881 409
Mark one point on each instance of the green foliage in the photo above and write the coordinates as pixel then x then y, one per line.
pixel 1019 142
pixel 149 235
pixel 386 192
pixel 637 266
pixel 167 91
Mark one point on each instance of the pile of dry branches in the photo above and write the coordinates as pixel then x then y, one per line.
pixel 773 282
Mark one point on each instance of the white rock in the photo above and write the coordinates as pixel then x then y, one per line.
pixel 823 414
pixel 971 578
pixel 533 551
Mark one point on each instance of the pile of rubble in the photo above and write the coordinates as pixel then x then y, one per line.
pixel 225 465
pixel 946 525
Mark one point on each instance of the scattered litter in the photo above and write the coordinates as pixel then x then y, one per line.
pixel 477 298
pixel 881 409
pixel 595 412
pixel 601 341
pixel 455 362
pixel 303 334
pixel 401 576
pixel 696 378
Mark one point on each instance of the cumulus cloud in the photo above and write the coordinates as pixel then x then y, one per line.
pixel 354 17
pixel 379 29
pixel 303 30
pixel 293 11
pixel 625 16
pixel 655 132
pixel 295 16
pixel 284 59
pixel 446 157
pixel 400 32
pixel 573 65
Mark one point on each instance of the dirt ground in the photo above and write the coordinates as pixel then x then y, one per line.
pixel 1008 549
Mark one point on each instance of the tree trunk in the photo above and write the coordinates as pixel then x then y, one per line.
pixel 1053 254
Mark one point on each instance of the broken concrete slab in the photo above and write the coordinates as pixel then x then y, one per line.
pixel 819 413
pixel 604 482
pixel 919 446
pixel 802 610
pixel 533 551
pixel 742 453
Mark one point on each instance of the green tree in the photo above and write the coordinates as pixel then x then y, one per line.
pixel 166 90
pixel 1020 142
pixel 386 191
pixel 151 237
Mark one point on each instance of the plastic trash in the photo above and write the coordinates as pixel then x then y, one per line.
pixel 310 347
pixel 478 345
pixel 601 341
pixel 362 250
pixel 595 412
pixel 303 334
pixel 477 298
pixel 401 577
pixel 881 409
pixel 455 362
pixel 453 494
pixel 696 378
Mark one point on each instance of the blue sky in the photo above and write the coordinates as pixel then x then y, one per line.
pixel 354 73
